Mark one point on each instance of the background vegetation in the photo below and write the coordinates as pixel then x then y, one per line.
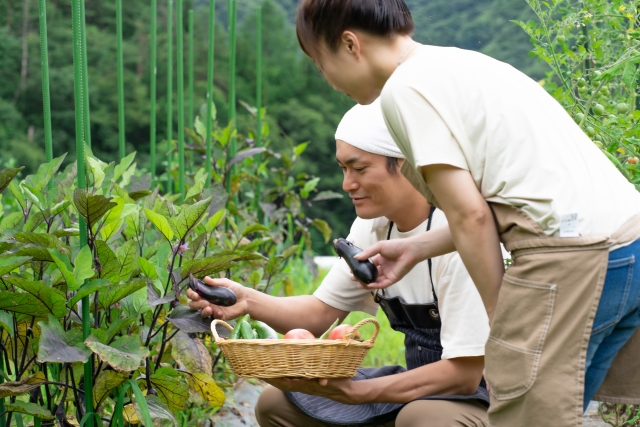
pixel 300 105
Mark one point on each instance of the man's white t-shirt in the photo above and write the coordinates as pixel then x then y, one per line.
pixel 465 325
pixel 461 108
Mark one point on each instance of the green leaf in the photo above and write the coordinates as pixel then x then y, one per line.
pixel 8 264
pixel 91 207
pixel 105 383
pixel 45 172
pixel 171 391
pixel 109 265
pixel 327 195
pixel 245 154
pixel 124 355
pixel 192 353
pixel 95 168
pixel 189 217
pixel 38 253
pixel 116 326
pixel 116 292
pixel 255 228
pixel 215 220
pixel 127 257
pixel 123 166
pixel 6 175
pixel 29 409
pixel 188 320
pixel 111 230
pixel 158 411
pixel 88 288
pixel 83 264
pixel 629 75
pixel 58 346
pixel 207 388
pixel 289 251
pixel 195 192
pixel 64 265
pixel 23 304
pixel 6 322
pixel 42 239
pixel 161 223
pixel 147 268
pixel 299 149
pixel 25 385
pixel 51 298
pixel 309 186
pixel 11 221
pixel 323 227
pixel 218 262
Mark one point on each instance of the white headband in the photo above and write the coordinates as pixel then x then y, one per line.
pixel 363 127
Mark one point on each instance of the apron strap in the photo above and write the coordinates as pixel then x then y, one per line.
pixel 433 209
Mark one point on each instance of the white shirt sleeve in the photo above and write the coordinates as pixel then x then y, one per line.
pixel 337 289
pixel 465 324
pixel 418 129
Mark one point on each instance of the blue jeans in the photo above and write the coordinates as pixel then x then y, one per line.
pixel 617 318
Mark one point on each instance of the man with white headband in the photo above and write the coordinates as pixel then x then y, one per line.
pixel 436 306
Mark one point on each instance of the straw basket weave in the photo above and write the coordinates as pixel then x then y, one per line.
pixel 273 358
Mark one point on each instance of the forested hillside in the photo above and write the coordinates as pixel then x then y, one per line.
pixel 300 105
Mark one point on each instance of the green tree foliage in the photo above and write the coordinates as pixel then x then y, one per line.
pixel 300 105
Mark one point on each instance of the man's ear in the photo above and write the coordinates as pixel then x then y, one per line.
pixel 400 162
pixel 351 43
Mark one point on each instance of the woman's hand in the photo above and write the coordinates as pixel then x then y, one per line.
pixel 240 308
pixel 394 259
pixel 341 390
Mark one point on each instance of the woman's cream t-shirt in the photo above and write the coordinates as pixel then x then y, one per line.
pixel 465 325
pixel 461 108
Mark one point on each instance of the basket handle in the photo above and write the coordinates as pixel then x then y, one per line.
pixel 361 323
pixel 215 333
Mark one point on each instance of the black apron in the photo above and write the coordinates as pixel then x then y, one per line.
pixel 421 325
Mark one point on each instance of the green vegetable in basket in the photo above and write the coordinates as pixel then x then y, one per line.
pixel 246 331
pixel 235 334
pixel 264 331
pixel 326 333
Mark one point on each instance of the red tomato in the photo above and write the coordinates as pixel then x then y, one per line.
pixel 340 331
pixel 632 160
pixel 299 334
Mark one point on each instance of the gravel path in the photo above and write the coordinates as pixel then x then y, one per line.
pixel 238 411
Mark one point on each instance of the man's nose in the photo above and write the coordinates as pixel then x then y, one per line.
pixel 349 184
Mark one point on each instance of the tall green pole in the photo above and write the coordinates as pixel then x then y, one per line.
pixel 169 93
pixel 190 71
pixel 154 72
pixel 232 87
pixel 209 122
pixel 46 99
pixel 258 101
pixel 121 151
pixel 85 79
pixel 78 65
pixel 180 60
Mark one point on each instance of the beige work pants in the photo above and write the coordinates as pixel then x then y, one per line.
pixel 274 409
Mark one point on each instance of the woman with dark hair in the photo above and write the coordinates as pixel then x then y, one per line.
pixel 504 162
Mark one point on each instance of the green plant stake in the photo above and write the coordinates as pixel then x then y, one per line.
pixel 154 72
pixel 3 421
pixel 46 99
pixel 180 60
pixel 78 65
pixel 85 79
pixel 209 120
pixel 190 70
pixel 169 92
pixel 232 88
pixel 121 151
pixel 256 203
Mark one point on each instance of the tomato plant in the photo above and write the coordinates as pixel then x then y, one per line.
pixel 592 48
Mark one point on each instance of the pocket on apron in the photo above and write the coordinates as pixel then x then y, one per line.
pixel 518 333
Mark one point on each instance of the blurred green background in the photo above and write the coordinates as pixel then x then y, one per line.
pixel 300 105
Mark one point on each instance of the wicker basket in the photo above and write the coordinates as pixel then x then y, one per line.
pixel 272 358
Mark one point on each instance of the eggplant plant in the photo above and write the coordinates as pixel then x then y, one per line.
pixel 151 355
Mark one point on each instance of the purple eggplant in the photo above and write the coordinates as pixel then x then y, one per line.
pixel 214 294
pixel 365 271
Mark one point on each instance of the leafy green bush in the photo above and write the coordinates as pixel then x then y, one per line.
pixel 151 356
